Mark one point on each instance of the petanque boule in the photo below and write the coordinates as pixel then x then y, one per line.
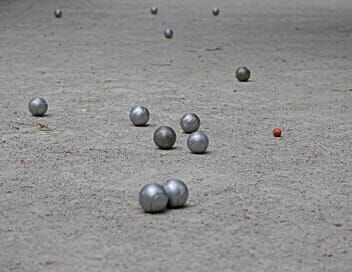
pixel 58 13
pixel 216 11
pixel 154 10
pixel 139 115
pixel 168 33
pixel 38 106
pixel 190 122
pixel 177 193
pixel 243 74
pixel 164 137
pixel 153 198
pixel 198 142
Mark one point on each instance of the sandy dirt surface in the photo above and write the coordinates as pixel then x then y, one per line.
pixel 68 196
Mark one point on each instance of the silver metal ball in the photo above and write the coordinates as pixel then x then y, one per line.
pixel 153 198
pixel 164 137
pixel 243 74
pixel 139 115
pixel 38 106
pixel 177 192
pixel 198 142
pixel 58 13
pixel 190 122
pixel 216 11
pixel 153 10
pixel 169 33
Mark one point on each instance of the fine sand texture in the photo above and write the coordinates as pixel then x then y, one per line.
pixel 69 181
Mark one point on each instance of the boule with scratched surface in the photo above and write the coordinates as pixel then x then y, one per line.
pixel 190 122
pixel 139 115
pixel 153 198
pixel 198 142
pixel 177 193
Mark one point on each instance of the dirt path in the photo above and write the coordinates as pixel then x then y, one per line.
pixel 68 197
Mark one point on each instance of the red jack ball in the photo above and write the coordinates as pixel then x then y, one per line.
pixel 277 132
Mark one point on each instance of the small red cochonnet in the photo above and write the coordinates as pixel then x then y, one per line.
pixel 277 132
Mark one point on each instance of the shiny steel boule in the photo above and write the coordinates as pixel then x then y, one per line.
pixel 190 122
pixel 58 13
pixel 164 137
pixel 139 115
pixel 38 106
pixel 198 142
pixel 168 33
pixel 177 193
pixel 216 11
pixel 153 198
pixel 243 74
pixel 154 10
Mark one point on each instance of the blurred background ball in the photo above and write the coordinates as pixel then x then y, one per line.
pixel 154 10
pixel 198 142
pixel 153 198
pixel 139 115
pixel 177 192
pixel 168 33
pixel 38 106
pixel 58 13
pixel 190 122
pixel 216 11
pixel 243 74
pixel 164 137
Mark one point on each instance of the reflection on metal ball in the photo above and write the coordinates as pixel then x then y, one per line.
pixel 198 142
pixel 164 137
pixel 153 198
pixel 58 13
pixel 153 10
pixel 243 74
pixel 38 106
pixel 169 33
pixel 177 192
pixel 216 11
pixel 190 122
pixel 139 115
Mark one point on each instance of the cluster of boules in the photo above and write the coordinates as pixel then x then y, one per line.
pixel 155 198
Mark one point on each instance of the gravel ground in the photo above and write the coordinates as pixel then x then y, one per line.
pixel 68 195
